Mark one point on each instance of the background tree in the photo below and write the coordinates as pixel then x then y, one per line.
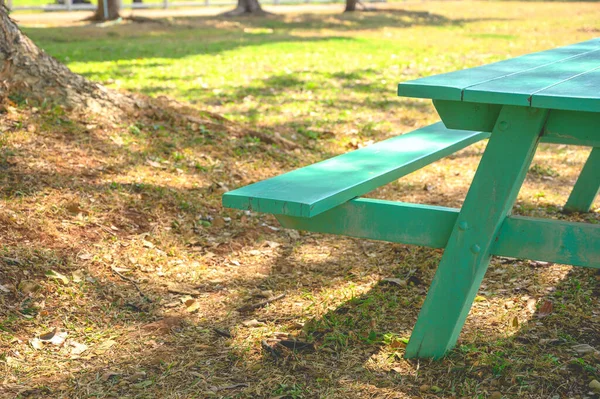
pixel 113 11
pixel 350 5
pixel 28 71
pixel 245 7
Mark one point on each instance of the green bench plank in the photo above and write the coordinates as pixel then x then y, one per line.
pixel 450 86
pixel 518 88
pixel 311 190
pixel 581 93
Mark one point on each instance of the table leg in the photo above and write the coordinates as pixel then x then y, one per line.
pixel 490 199
pixel 587 186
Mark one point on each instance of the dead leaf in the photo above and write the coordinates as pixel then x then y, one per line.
pixel 85 256
pixel 583 349
pixel 147 244
pixel 192 305
pixel 531 305
pixel 545 309
pixel 182 289
pixel 28 287
pixel 77 348
pixel 56 275
pixel 218 222
pixel 595 386
pixel 36 343
pixel 77 276
pixel 104 346
pixel 154 164
pixel 395 281
pixel 253 323
pixel 515 322
pixel 55 337
pixel 109 374
pixel 4 288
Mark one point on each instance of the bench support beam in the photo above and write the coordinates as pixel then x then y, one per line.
pixel 430 226
pixel 587 186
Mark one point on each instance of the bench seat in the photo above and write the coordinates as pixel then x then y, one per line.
pixel 314 189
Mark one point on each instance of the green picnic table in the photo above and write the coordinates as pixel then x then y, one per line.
pixel 551 96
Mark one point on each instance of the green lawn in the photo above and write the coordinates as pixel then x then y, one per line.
pixel 94 212
pixel 311 73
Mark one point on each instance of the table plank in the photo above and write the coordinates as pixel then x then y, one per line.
pixel 518 88
pixel 450 86
pixel 581 93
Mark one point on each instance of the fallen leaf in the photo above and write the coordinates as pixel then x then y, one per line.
pixel 77 348
pixel 147 244
pixel 192 305
pixel 480 298
pixel 106 345
pixel 253 323
pixel 182 289
pixel 28 287
pixel 515 322
pixel 55 337
pixel 154 164
pixel 395 281
pixel 595 386
pixel 531 305
pixel 496 395
pixel 4 288
pixel 545 309
pixel 56 275
pixel 109 374
pixel 584 349
pixel 85 256
pixel 36 343
pixel 77 276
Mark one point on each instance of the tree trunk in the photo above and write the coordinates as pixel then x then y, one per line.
pixel 245 7
pixel 28 71
pixel 350 5
pixel 111 15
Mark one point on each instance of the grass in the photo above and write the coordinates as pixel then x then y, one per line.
pixel 100 203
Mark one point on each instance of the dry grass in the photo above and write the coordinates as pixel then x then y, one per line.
pixel 115 207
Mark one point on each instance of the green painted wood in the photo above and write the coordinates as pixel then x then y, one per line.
pixel 450 86
pixel 317 188
pixel 374 219
pixel 562 127
pixel 572 127
pixel 519 88
pixel 554 241
pixel 490 198
pixel 471 116
pixel 581 93
pixel 587 186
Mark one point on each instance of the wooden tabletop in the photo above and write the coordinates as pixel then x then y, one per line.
pixel 565 78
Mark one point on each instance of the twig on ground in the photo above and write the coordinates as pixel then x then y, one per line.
pixel 248 308
pixel 132 281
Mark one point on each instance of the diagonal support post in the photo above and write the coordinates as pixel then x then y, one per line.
pixel 500 174
pixel 587 186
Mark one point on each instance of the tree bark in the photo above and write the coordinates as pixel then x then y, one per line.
pixel 28 71
pixel 350 5
pixel 111 15
pixel 245 7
